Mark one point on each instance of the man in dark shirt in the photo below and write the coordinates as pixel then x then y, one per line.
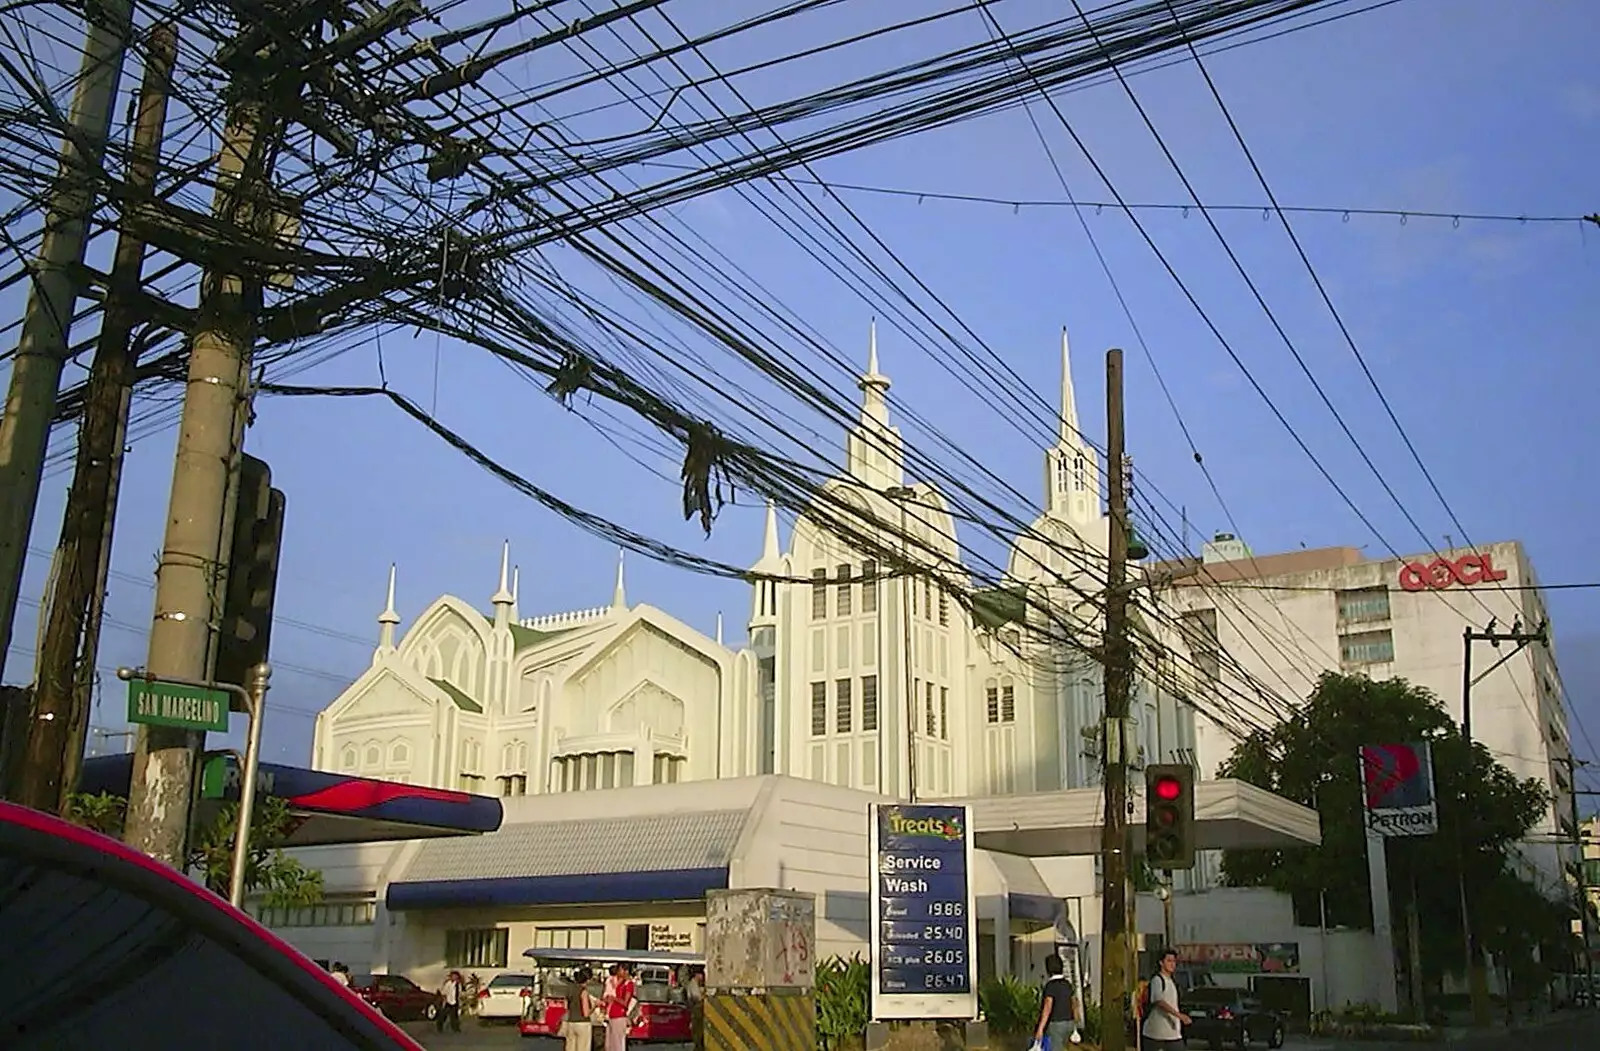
pixel 1058 1014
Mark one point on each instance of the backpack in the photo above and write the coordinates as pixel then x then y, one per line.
pixel 1142 996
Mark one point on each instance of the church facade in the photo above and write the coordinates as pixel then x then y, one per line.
pixel 913 684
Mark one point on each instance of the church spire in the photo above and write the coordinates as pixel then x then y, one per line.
pixel 874 453
pixel 503 599
pixel 619 594
pixel 387 619
pixel 1072 467
pixel 769 538
pixel 1069 403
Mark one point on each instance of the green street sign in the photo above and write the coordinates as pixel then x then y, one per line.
pixel 181 707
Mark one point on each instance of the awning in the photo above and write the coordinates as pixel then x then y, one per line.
pixel 605 888
pixel 1229 815
pixel 589 861
pixel 329 808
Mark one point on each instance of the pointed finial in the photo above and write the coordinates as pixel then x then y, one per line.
pixel 389 616
pixel 719 627
pixel 503 596
pixel 1069 402
pixel 872 348
pixel 516 582
pixel 769 539
pixel 619 595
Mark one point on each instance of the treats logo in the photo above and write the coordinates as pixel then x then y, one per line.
pixel 943 828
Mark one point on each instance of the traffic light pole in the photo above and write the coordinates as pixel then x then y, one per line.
pixel 188 580
pixel 1115 842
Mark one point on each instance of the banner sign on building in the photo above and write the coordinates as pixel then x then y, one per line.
pixel 924 926
pixel 1241 958
pixel 1399 789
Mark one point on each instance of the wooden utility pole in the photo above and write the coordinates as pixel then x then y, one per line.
pixel 59 716
pixel 1115 852
pixel 52 298
pixel 189 579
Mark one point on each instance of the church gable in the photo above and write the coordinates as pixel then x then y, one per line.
pixel 648 704
pixel 642 675
pixel 449 642
pixel 383 693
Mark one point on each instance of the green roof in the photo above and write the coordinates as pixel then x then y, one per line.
pixel 527 638
pixel 462 701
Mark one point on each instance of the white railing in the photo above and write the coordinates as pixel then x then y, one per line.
pixel 566 620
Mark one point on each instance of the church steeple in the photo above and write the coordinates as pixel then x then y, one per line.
pixel 619 593
pixel 874 451
pixel 387 620
pixel 503 599
pixel 1072 467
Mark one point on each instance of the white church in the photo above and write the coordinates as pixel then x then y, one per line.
pixel 858 678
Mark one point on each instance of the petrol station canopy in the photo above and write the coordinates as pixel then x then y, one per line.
pixel 1229 815
pixel 328 808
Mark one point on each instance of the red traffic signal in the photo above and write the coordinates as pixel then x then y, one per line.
pixel 1169 832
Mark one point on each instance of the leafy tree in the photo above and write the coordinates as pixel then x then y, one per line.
pixel 281 879
pixel 1313 760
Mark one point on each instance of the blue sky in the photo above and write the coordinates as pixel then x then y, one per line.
pixel 1480 334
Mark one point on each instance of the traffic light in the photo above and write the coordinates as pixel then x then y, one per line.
pixel 246 622
pixel 1169 816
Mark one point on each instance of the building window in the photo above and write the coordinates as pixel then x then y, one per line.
pixel 638 937
pixel 513 784
pixel 569 937
pixel 482 947
pixel 869 586
pixel 1367 647
pixel 944 713
pixel 593 770
pixel 931 712
pixel 819 594
pixel 944 608
pixel 927 597
pixel 1080 473
pixel 330 913
pixel 1061 474
pixel 668 769
pixel 869 703
pixel 991 696
pixel 845 590
pixel 819 709
pixel 1361 604
pixel 472 782
pixel 843 709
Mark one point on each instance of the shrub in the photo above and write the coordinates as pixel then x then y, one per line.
pixel 841 994
pixel 1011 1006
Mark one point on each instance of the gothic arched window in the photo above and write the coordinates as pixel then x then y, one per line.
pixel 1080 473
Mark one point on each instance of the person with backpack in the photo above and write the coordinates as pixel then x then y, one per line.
pixel 1163 1019
pixel 1060 1010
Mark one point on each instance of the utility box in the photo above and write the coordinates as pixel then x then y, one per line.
pixel 760 971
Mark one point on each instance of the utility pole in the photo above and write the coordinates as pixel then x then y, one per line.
pixel 1115 844
pixel 1582 879
pixel 188 580
pixel 52 297
pixel 1477 973
pixel 59 719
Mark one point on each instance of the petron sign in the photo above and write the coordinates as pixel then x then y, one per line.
pixel 156 703
pixel 1399 789
pixel 1442 573
pixel 924 922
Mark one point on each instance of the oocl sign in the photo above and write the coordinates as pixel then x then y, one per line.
pixel 1442 573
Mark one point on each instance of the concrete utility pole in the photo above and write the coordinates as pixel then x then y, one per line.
pixel 59 719
pixel 52 298
pixel 189 578
pixel 1115 853
pixel 1477 972
pixel 1582 876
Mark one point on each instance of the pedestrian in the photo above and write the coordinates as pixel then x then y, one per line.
pixel 695 994
pixel 579 1026
pixel 1059 1010
pixel 341 973
pixel 620 1002
pixel 1164 1020
pixel 450 1003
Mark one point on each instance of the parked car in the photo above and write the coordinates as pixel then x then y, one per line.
pixel 1230 1016
pixel 127 953
pixel 396 996
pixel 504 998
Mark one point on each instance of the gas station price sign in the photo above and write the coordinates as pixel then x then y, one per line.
pixel 924 935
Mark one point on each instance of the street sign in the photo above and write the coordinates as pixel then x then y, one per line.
pixel 924 936
pixel 181 707
pixel 1399 789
